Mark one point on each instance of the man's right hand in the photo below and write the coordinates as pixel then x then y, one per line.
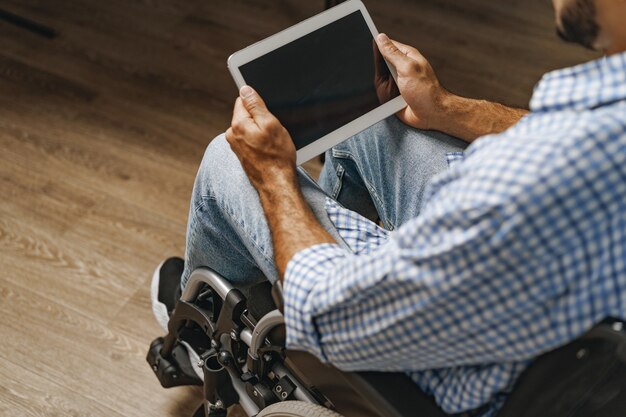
pixel 418 84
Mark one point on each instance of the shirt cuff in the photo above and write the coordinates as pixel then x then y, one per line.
pixel 454 157
pixel 307 268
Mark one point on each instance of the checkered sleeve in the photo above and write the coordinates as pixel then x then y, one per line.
pixel 477 277
pixel 325 282
pixel 306 270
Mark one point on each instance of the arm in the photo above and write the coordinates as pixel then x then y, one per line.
pixel 268 156
pixel 432 107
pixel 293 225
pixel 470 119
pixel 457 286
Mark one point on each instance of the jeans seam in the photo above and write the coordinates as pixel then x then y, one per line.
pixel 339 171
pixel 203 197
pixel 348 155
pixel 225 209
pixel 342 154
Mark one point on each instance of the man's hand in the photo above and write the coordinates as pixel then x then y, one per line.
pixel 417 82
pixel 261 143
pixel 432 107
pixel 268 156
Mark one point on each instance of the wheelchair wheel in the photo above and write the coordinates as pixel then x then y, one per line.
pixel 297 409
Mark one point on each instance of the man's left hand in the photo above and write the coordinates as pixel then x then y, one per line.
pixel 261 143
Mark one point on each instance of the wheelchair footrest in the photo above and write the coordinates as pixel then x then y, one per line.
pixel 175 370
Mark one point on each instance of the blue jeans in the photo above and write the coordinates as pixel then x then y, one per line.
pixel 381 173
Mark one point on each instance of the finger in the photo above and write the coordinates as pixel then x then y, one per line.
pixel 241 117
pixel 390 51
pixel 409 51
pixel 253 103
pixel 380 66
pixel 229 135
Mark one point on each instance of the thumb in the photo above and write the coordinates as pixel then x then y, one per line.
pixel 390 51
pixel 253 102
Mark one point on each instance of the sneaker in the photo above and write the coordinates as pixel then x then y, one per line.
pixel 165 289
pixel 164 293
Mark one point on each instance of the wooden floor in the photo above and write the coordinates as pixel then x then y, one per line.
pixel 101 132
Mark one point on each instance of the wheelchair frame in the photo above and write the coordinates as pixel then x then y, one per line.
pixel 231 328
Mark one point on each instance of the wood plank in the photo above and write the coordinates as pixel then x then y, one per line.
pixel 96 285
pixel 31 394
pixel 81 157
pixel 90 360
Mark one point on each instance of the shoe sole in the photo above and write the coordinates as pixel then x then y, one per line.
pixel 158 308
pixel 162 317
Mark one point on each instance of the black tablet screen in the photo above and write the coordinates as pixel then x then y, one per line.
pixel 323 80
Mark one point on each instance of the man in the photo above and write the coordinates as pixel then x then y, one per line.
pixel 515 249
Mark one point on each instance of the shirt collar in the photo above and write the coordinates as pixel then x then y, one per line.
pixel 582 87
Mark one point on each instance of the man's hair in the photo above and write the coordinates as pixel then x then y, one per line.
pixel 578 23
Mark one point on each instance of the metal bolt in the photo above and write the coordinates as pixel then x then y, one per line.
pixel 267 357
pixel 234 335
pixel 155 368
pixel 219 404
pixel 256 394
pixel 213 344
pixel 200 363
pixel 581 353
pixel 618 326
pixel 283 395
pixel 279 388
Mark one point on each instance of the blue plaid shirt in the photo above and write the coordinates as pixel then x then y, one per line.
pixel 520 247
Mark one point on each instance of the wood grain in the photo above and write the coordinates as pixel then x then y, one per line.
pixel 101 133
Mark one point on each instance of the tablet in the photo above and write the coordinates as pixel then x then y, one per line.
pixel 324 78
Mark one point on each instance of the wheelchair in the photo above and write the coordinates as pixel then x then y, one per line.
pixel 242 356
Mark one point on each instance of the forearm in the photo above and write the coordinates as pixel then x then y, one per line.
pixel 469 119
pixel 292 223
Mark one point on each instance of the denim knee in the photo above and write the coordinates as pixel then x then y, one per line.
pixel 371 142
pixel 219 172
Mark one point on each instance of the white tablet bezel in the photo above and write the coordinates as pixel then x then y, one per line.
pixel 305 27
